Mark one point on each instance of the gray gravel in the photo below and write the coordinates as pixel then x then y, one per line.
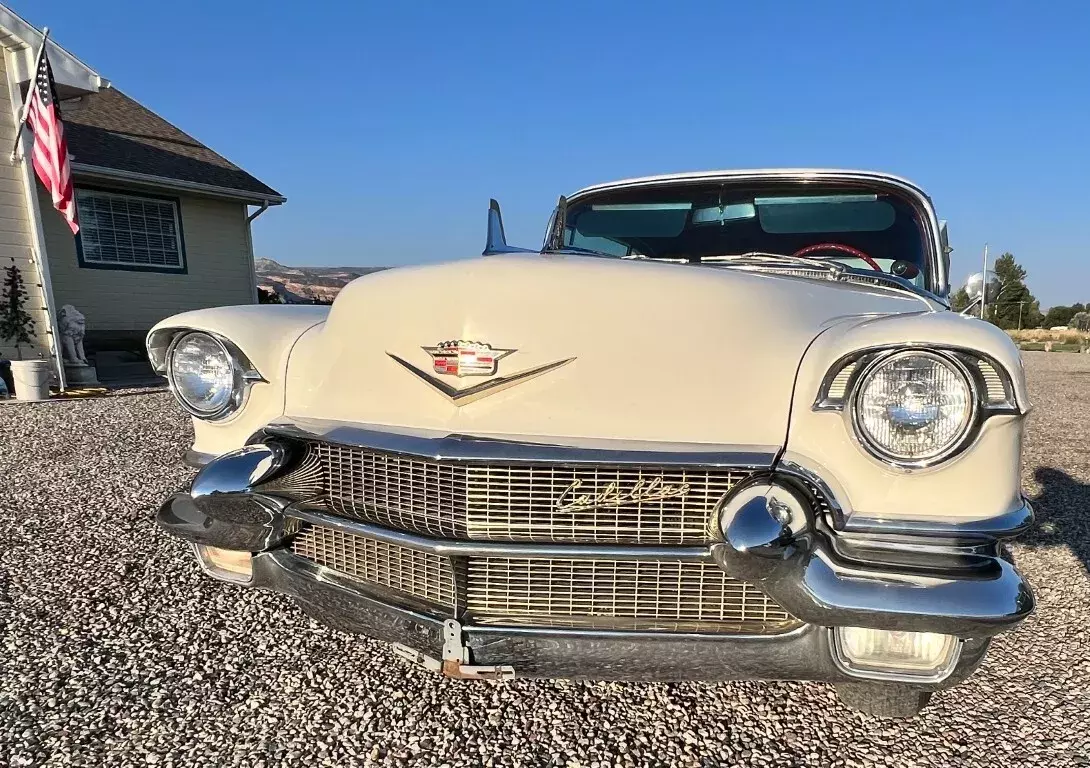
pixel 116 651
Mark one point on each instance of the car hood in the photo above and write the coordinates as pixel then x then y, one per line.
pixel 654 352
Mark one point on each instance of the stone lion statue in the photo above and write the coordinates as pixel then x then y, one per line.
pixel 73 326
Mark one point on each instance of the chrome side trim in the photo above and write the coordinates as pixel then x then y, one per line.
pixel 1005 526
pixel 455 548
pixel 469 448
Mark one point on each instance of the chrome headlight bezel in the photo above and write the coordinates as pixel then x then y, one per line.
pixel 882 452
pixel 990 385
pixel 243 375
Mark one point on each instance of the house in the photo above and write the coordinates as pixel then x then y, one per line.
pixel 164 220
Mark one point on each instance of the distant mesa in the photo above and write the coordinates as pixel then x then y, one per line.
pixel 306 285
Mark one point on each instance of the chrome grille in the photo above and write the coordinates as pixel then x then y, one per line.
pixel 392 490
pixel 647 595
pixel 420 574
pixel 618 594
pixel 519 502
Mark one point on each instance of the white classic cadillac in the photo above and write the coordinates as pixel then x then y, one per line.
pixel 720 426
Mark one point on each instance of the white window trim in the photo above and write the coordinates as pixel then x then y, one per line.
pixel 181 268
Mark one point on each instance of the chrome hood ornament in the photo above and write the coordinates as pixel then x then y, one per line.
pixel 471 358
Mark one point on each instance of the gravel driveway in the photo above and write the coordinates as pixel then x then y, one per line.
pixel 116 651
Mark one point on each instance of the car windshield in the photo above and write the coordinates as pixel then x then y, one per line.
pixel 857 227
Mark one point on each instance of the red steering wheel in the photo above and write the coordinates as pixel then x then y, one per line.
pixel 841 248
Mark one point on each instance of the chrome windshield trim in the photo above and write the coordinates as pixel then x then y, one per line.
pixel 940 278
pixel 458 548
pixel 441 446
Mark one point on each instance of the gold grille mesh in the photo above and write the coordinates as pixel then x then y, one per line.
pixel 519 502
pixel 421 574
pixel 619 594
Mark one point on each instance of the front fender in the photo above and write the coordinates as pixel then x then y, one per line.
pixel 265 334
pixel 979 483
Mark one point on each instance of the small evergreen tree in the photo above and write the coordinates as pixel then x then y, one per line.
pixel 15 323
pixel 959 300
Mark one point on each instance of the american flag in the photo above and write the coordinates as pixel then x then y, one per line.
pixel 50 155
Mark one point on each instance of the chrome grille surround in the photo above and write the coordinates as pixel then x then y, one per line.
pixel 419 574
pixel 514 501
pixel 619 594
pixel 646 595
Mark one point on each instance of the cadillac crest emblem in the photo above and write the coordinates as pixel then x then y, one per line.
pixel 465 358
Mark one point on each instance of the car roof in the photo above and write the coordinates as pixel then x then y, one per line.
pixel 756 174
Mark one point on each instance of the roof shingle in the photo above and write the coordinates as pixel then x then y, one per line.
pixel 110 130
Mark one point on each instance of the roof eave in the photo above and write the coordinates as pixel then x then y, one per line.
pixel 180 185
pixel 26 39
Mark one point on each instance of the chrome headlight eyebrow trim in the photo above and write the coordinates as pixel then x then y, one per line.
pixel 969 358
pixel 244 374
pixel 968 362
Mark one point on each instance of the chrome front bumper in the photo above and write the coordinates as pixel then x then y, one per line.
pixel 804 654
pixel 825 571
pixel 966 592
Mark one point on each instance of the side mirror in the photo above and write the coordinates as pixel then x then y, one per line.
pixel 981 285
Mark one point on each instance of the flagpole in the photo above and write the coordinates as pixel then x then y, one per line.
pixel 26 101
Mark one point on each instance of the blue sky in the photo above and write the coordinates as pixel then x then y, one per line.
pixel 389 125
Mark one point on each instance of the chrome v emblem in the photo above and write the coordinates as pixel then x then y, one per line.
pixel 476 392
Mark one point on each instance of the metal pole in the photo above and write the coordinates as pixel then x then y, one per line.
pixel 30 90
pixel 984 286
pixel 1020 314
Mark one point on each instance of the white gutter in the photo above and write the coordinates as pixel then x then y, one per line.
pixel 264 207
pixel 114 174
pixel 34 221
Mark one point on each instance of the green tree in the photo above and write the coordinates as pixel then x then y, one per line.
pixel 1060 315
pixel 1014 306
pixel 15 323
pixel 959 300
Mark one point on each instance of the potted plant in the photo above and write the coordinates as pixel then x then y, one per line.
pixel 31 377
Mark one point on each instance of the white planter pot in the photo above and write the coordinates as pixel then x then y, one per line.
pixel 31 379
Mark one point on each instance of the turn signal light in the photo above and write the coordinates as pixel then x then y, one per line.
pixel 226 564
pixel 881 653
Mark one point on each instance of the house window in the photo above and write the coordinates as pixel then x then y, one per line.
pixel 126 231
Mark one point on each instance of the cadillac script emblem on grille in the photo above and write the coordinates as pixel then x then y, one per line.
pixel 575 499
pixel 471 358
pixel 466 358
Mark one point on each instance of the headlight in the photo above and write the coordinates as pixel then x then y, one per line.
pixel 913 408
pixel 204 375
